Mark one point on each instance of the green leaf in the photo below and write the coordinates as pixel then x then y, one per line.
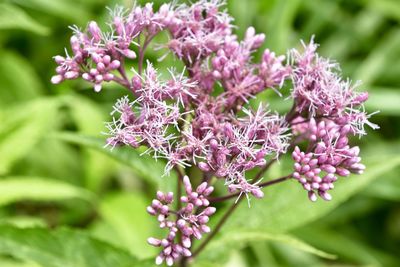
pixel 231 240
pixel 126 214
pixel 13 189
pixel 76 10
pixel 376 62
pixel 204 263
pixel 389 8
pixel 385 100
pixel 18 80
pixel 22 127
pixel 143 166
pixel 61 248
pixel 345 246
pixel 6 262
pixel 286 206
pixel 12 17
pixel 41 161
pixel 388 188
pixel 89 119
pixel 23 222
pixel 280 24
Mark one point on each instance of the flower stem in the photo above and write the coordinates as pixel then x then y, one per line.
pixel 142 50
pixel 265 184
pixel 263 170
pixel 227 214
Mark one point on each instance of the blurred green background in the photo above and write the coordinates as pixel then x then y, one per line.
pixel 54 172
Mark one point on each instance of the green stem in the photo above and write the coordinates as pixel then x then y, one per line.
pixel 227 214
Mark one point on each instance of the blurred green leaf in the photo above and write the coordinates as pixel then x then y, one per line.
pixel 6 262
pixel 126 214
pixel 243 12
pixel 23 222
pixel 61 248
pixel 231 241
pixel 18 80
pixel 13 189
pixel 389 8
pixel 203 263
pixel 263 253
pixel 89 119
pixel 346 247
pixel 22 127
pixel 42 161
pixel 370 68
pixel 67 9
pixel 12 17
pixel 388 188
pixel 149 169
pixel 280 24
pixel 385 100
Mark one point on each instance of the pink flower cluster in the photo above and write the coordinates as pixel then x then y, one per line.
pixel 182 225
pixel 202 117
pixel 327 111
pixel 97 55
pixel 328 156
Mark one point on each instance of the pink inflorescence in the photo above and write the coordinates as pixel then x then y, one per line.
pixel 203 116
pixel 189 222
pixel 328 111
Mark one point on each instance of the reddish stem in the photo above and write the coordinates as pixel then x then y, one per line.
pixel 262 185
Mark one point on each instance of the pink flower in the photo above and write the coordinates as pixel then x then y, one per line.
pixel 190 221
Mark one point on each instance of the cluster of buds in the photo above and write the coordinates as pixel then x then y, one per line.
pixel 327 112
pixel 97 55
pixel 182 225
pixel 327 157
pixel 202 118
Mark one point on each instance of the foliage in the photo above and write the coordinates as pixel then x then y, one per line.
pixel 56 174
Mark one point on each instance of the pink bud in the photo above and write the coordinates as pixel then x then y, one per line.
pixel 108 77
pixel 97 88
pixel 100 66
pixel 208 190
pixel 169 261
pixel 342 172
pixel 159 260
pixel 201 188
pixel 87 76
pixel 210 211
pixel 56 79
pixel 186 242
pixel 95 31
pixel 59 59
pixel 203 166
pixel 154 242
pixel 312 196
pixel 258 193
pixel 326 196
pixel 71 75
pixel 75 44
pixel 129 53
pixel 205 228
pixel 106 59
pixel 99 78
pixel 115 64
pixel 151 211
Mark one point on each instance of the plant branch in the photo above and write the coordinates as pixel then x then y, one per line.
pixel 142 50
pixel 179 172
pixel 227 214
pixel 265 184
pixel 121 82
pixel 263 170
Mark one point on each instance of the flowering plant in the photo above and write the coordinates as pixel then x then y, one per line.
pixel 201 116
